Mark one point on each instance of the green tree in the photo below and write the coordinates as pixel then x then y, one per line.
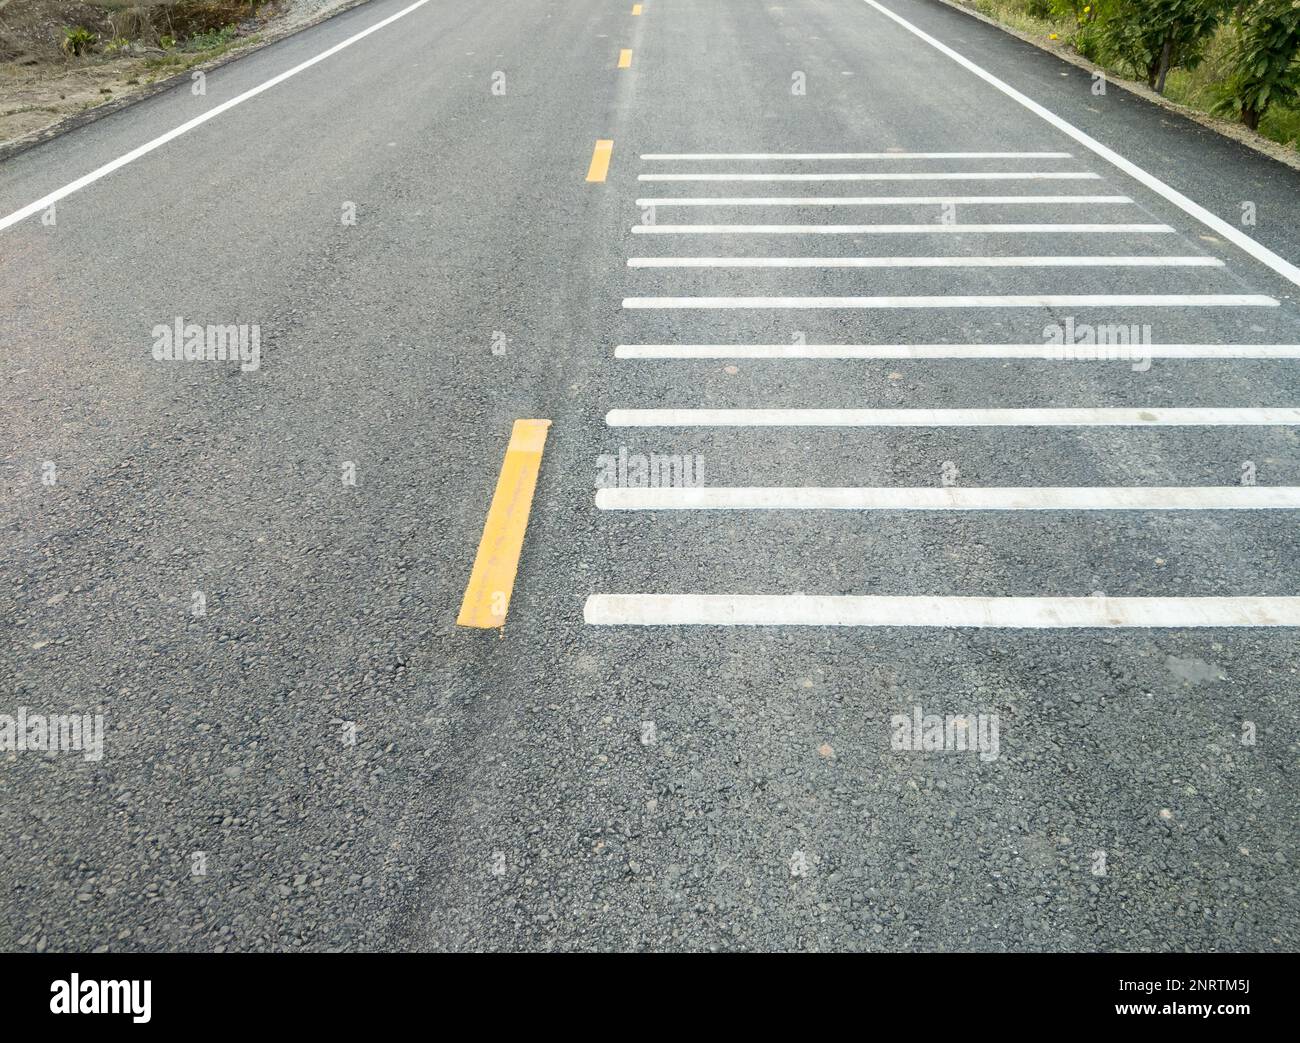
pixel 1265 65
pixel 1152 37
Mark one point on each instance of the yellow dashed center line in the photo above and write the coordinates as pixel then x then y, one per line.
pixel 636 9
pixel 625 58
pixel 600 160
pixel 487 598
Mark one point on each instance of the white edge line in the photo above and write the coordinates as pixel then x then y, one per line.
pixel 953 498
pixel 1256 250
pixel 46 201
pixel 1008 612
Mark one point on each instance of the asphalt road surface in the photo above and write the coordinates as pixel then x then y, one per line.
pixel 695 730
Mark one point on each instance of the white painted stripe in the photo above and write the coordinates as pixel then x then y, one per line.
pixel 1053 352
pixel 1154 261
pixel 1076 417
pixel 46 201
pixel 1216 224
pixel 1150 300
pixel 873 200
pixel 880 611
pixel 930 175
pixel 911 229
pixel 957 498
pixel 851 155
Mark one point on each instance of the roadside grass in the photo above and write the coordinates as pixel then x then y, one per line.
pixel 1015 13
pixel 168 35
pixel 210 40
pixel 1198 88
pixel 196 50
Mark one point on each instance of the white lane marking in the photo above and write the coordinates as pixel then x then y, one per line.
pixel 874 200
pixel 46 201
pixel 909 229
pixel 1008 612
pixel 1153 300
pixel 1151 261
pixel 997 175
pixel 955 498
pixel 1077 417
pixel 1053 352
pixel 851 155
pixel 1216 224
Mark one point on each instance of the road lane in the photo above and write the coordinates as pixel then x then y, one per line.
pixel 396 352
pixel 1109 725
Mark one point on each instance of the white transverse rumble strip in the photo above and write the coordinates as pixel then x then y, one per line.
pixel 1150 261
pixel 657 201
pixel 912 611
pixel 937 228
pixel 724 156
pixel 693 609
pixel 1054 353
pixel 1066 300
pixel 954 498
pixel 1103 417
pixel 926 175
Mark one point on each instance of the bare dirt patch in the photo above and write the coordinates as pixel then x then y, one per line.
pixel 60 58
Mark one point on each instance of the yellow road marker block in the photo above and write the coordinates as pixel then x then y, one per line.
pixel 636 9
pixel 625 58
pixel 487 598
pixel 600 160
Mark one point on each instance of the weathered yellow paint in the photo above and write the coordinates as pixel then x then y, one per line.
pixel 487 598
pixel 600 160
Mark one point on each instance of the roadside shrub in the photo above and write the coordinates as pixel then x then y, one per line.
pixel 1235 58
pixel 1085 12
pixel 191 17
pixel 134 19
pixel 152 20
pixel 78 40
pixel 1089 42
pixel 211 38
pixel 1265 69
pixel 1067 9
